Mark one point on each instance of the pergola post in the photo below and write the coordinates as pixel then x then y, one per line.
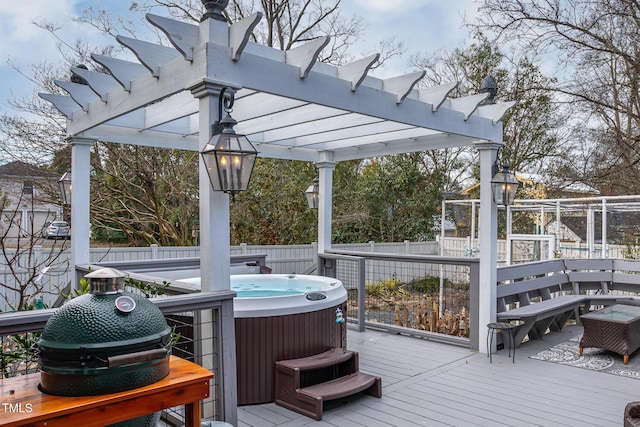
pixel 80 204
pixel 604 253
pixel 215 255
pixel 215 242
pixel 325 187
pixel 214 205
pixel 488 244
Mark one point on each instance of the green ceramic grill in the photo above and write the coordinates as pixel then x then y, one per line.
pixel 106 341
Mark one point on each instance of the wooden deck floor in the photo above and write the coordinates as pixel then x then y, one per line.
pixel 433 384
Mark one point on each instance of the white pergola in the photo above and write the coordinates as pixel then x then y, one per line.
pixel 288 104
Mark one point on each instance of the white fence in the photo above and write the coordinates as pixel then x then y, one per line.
pixel 280 258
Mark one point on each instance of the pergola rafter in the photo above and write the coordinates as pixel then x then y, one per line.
pixel 353 116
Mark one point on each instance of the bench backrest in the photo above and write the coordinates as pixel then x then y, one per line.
pixel 590 274
pixel 626 275
pixel 524 282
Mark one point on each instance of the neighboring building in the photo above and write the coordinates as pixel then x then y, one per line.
pixel 535 186
pixel 25 199
pixel 541 187
pixel 566 233
pixel 450 229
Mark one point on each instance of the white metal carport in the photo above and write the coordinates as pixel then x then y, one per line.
pixel 289 105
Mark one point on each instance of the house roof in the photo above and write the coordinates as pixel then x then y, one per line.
pixel 288 104
pixel 19 169
pixel 576 188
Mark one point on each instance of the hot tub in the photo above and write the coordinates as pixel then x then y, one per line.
pixel 277 317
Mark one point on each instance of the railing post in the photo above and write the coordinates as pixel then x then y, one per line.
pixel 474 306
pixel 361 293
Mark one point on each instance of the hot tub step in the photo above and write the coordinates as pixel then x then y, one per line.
pixel 317 361
pixel 302 385
pixel 344 386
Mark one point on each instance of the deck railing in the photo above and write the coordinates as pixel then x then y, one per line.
pixel 428 296
pixel 194 319
pixel 281 259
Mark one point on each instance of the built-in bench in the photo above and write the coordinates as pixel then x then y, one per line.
pixel 544 295
pixel 304 384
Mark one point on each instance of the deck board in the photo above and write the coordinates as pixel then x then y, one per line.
pixel 435 384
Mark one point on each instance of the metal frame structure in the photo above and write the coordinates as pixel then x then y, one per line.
pixel 591 205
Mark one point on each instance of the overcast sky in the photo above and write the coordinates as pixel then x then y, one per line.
pixel 421 25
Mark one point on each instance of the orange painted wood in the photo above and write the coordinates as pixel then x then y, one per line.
pixel 23 404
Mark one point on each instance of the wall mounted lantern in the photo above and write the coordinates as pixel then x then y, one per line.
pixel 228 157
pixel 504 185
pixel 64 185
pixel 313 194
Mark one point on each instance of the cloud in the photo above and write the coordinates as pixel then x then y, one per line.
pixel 24 44
pixel 17 28
pixel 383 6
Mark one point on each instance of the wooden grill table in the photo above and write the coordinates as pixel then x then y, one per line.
pixel 23 404
pixel 615 328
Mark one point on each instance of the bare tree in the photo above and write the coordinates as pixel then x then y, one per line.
pixel 150 194
pixel 595 45
pixel 529 127
pixel 25 257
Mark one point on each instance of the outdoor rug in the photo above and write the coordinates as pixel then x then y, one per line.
pixel 595 359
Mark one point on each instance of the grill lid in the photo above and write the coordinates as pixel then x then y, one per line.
pixel 99 321
pixel 105 323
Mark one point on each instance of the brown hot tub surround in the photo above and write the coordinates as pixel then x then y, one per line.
pixel 278 317
pixel 262 341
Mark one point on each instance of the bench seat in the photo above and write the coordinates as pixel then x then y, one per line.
pixel 539 316
pixel 591 300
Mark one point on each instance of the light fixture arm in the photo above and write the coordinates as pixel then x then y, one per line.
pixel 226 104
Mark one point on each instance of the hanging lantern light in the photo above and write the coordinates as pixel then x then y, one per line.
pixel 504 185
pixel 64 185
pixel 228 157
pixel 313 194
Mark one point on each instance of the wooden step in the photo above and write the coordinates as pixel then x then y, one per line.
pixel 317 361
pixel 344 386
